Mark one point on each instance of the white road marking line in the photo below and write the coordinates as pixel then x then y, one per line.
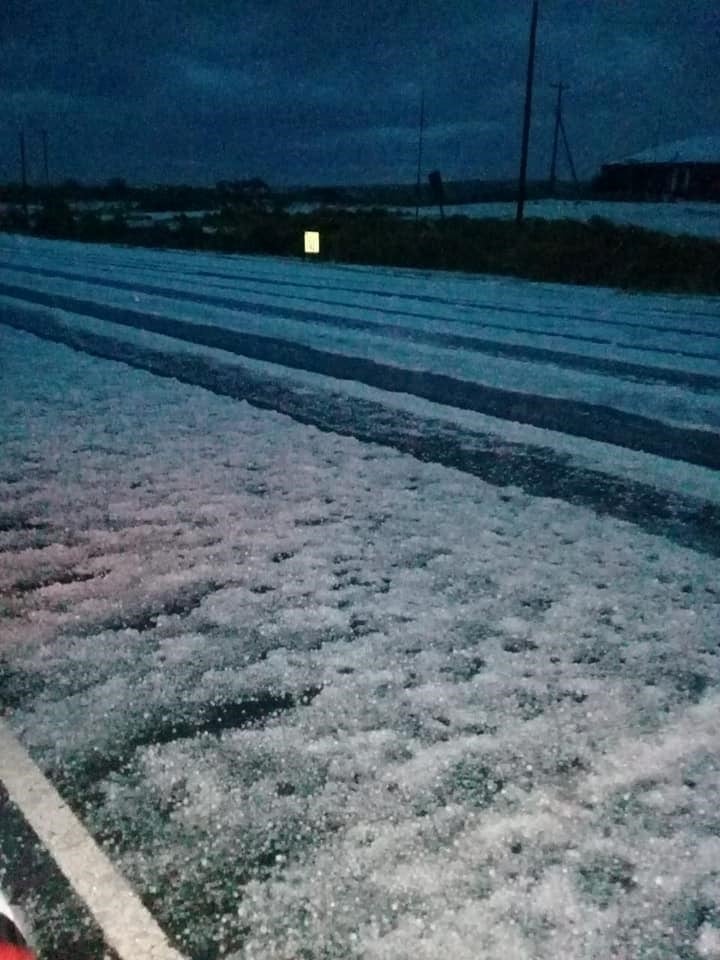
pixel 126 924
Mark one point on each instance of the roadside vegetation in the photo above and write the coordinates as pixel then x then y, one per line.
pixel 246 218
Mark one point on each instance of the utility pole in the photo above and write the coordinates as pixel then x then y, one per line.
pixel 23 173
pixel 558 121
pixel 45 158
pixel 419 159
pixel 528 111
pixel 560 129
pixel 567 152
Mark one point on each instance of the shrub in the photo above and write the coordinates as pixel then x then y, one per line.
pixel 565 251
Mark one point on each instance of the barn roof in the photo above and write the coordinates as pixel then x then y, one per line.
pixel 703 149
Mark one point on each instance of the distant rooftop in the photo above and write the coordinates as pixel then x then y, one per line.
pixel 704 149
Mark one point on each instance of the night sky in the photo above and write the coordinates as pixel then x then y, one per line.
pixel 195 91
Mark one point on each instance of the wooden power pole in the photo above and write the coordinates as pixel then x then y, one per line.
pixel 526 119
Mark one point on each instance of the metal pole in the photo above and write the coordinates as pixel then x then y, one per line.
pixel 45 158
pixel 23 173
pixel 419 159
pixel 558 114
pixel 567 152
pixel 528 111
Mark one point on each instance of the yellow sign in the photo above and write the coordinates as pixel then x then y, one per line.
pixel 312 241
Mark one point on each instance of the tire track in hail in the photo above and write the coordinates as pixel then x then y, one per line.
pixel 540 471
pixel 561 315
pixel 575 417
pixel 619 369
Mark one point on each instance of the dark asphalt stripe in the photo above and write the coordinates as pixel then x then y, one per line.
pixel 482 323
pixel 592 421
pixel 474 304
pixel 406 273
pixel 620 369
pixel 460 303
pixel 539 471
pixel 415 315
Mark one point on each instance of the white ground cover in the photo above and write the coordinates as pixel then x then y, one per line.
pixel 692 218
pixel 320 699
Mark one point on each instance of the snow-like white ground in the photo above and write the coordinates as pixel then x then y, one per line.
pixel 693 218
pixel 320 698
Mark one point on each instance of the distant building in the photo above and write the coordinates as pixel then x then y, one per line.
pixel 686 169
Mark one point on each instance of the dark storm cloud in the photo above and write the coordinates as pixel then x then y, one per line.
pixel 200 90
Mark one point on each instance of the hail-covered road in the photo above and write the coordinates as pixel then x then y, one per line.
pixel 366 612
